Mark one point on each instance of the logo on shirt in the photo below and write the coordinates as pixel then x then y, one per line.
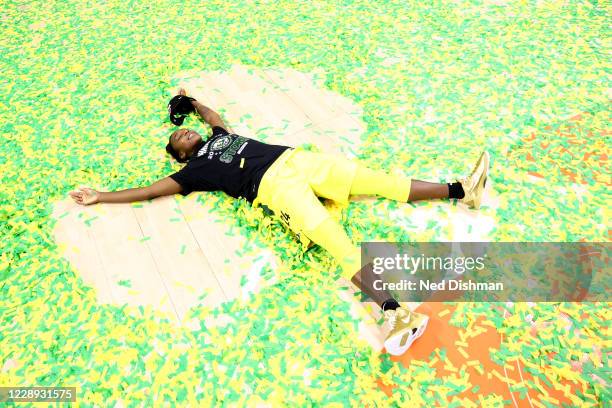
pixel 236 146
pixel 225 147
pixel 221 143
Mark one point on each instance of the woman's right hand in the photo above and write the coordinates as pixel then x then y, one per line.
pixel 85 196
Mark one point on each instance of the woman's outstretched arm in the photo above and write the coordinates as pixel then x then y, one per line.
pixel 208 115
pixel 163 187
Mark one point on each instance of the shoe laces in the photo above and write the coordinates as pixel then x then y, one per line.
pixel 466 182
pixel 394 315
pixel 392 320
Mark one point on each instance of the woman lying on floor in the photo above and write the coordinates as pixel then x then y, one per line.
pixel 289 181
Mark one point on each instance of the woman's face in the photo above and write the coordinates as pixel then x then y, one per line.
pixel 184 141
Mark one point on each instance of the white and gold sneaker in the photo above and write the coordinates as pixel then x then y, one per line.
pixel 406 327
pixel 474 184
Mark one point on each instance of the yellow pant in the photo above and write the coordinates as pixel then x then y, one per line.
pixel 292 185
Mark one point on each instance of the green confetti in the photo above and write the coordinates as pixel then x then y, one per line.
pixel 125 282
pixel 89 220
pixel 83 101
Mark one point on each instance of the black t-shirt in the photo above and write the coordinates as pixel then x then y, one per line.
pixel 227 162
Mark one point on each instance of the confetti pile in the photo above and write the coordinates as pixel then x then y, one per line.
pixel 83 99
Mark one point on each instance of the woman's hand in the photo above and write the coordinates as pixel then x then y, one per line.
pixel 183 92
pixel 85 196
